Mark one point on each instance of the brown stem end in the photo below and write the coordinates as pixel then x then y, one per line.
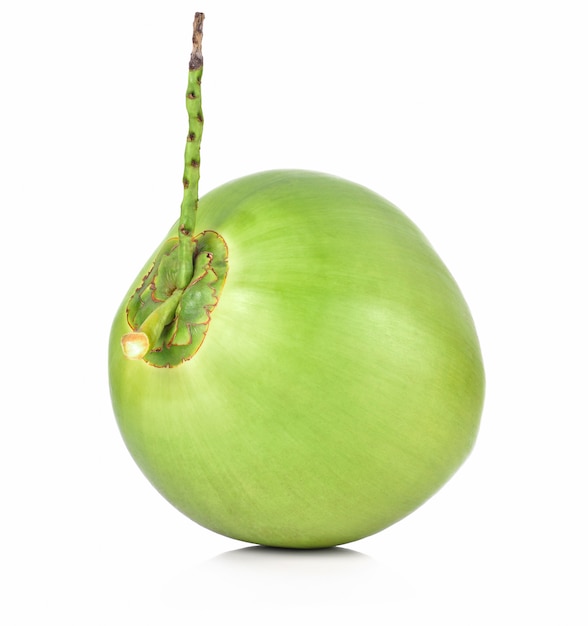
pixel 196 56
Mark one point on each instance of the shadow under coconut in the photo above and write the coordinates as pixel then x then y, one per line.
pixel 266 556
pixel 263 577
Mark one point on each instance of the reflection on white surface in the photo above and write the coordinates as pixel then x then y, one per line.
pixel 264 579
pixel 266 557
pixel 259 576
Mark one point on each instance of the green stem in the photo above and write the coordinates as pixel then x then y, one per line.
pixel 138 343
pixel 191 159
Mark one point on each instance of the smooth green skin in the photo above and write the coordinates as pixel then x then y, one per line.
pixel 340 384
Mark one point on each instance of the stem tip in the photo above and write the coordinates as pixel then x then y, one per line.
pixel 135 345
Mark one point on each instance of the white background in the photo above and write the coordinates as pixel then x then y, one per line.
pixel 470 116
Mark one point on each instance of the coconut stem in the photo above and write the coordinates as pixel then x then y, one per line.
pixel 191 159
pixel 138 343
